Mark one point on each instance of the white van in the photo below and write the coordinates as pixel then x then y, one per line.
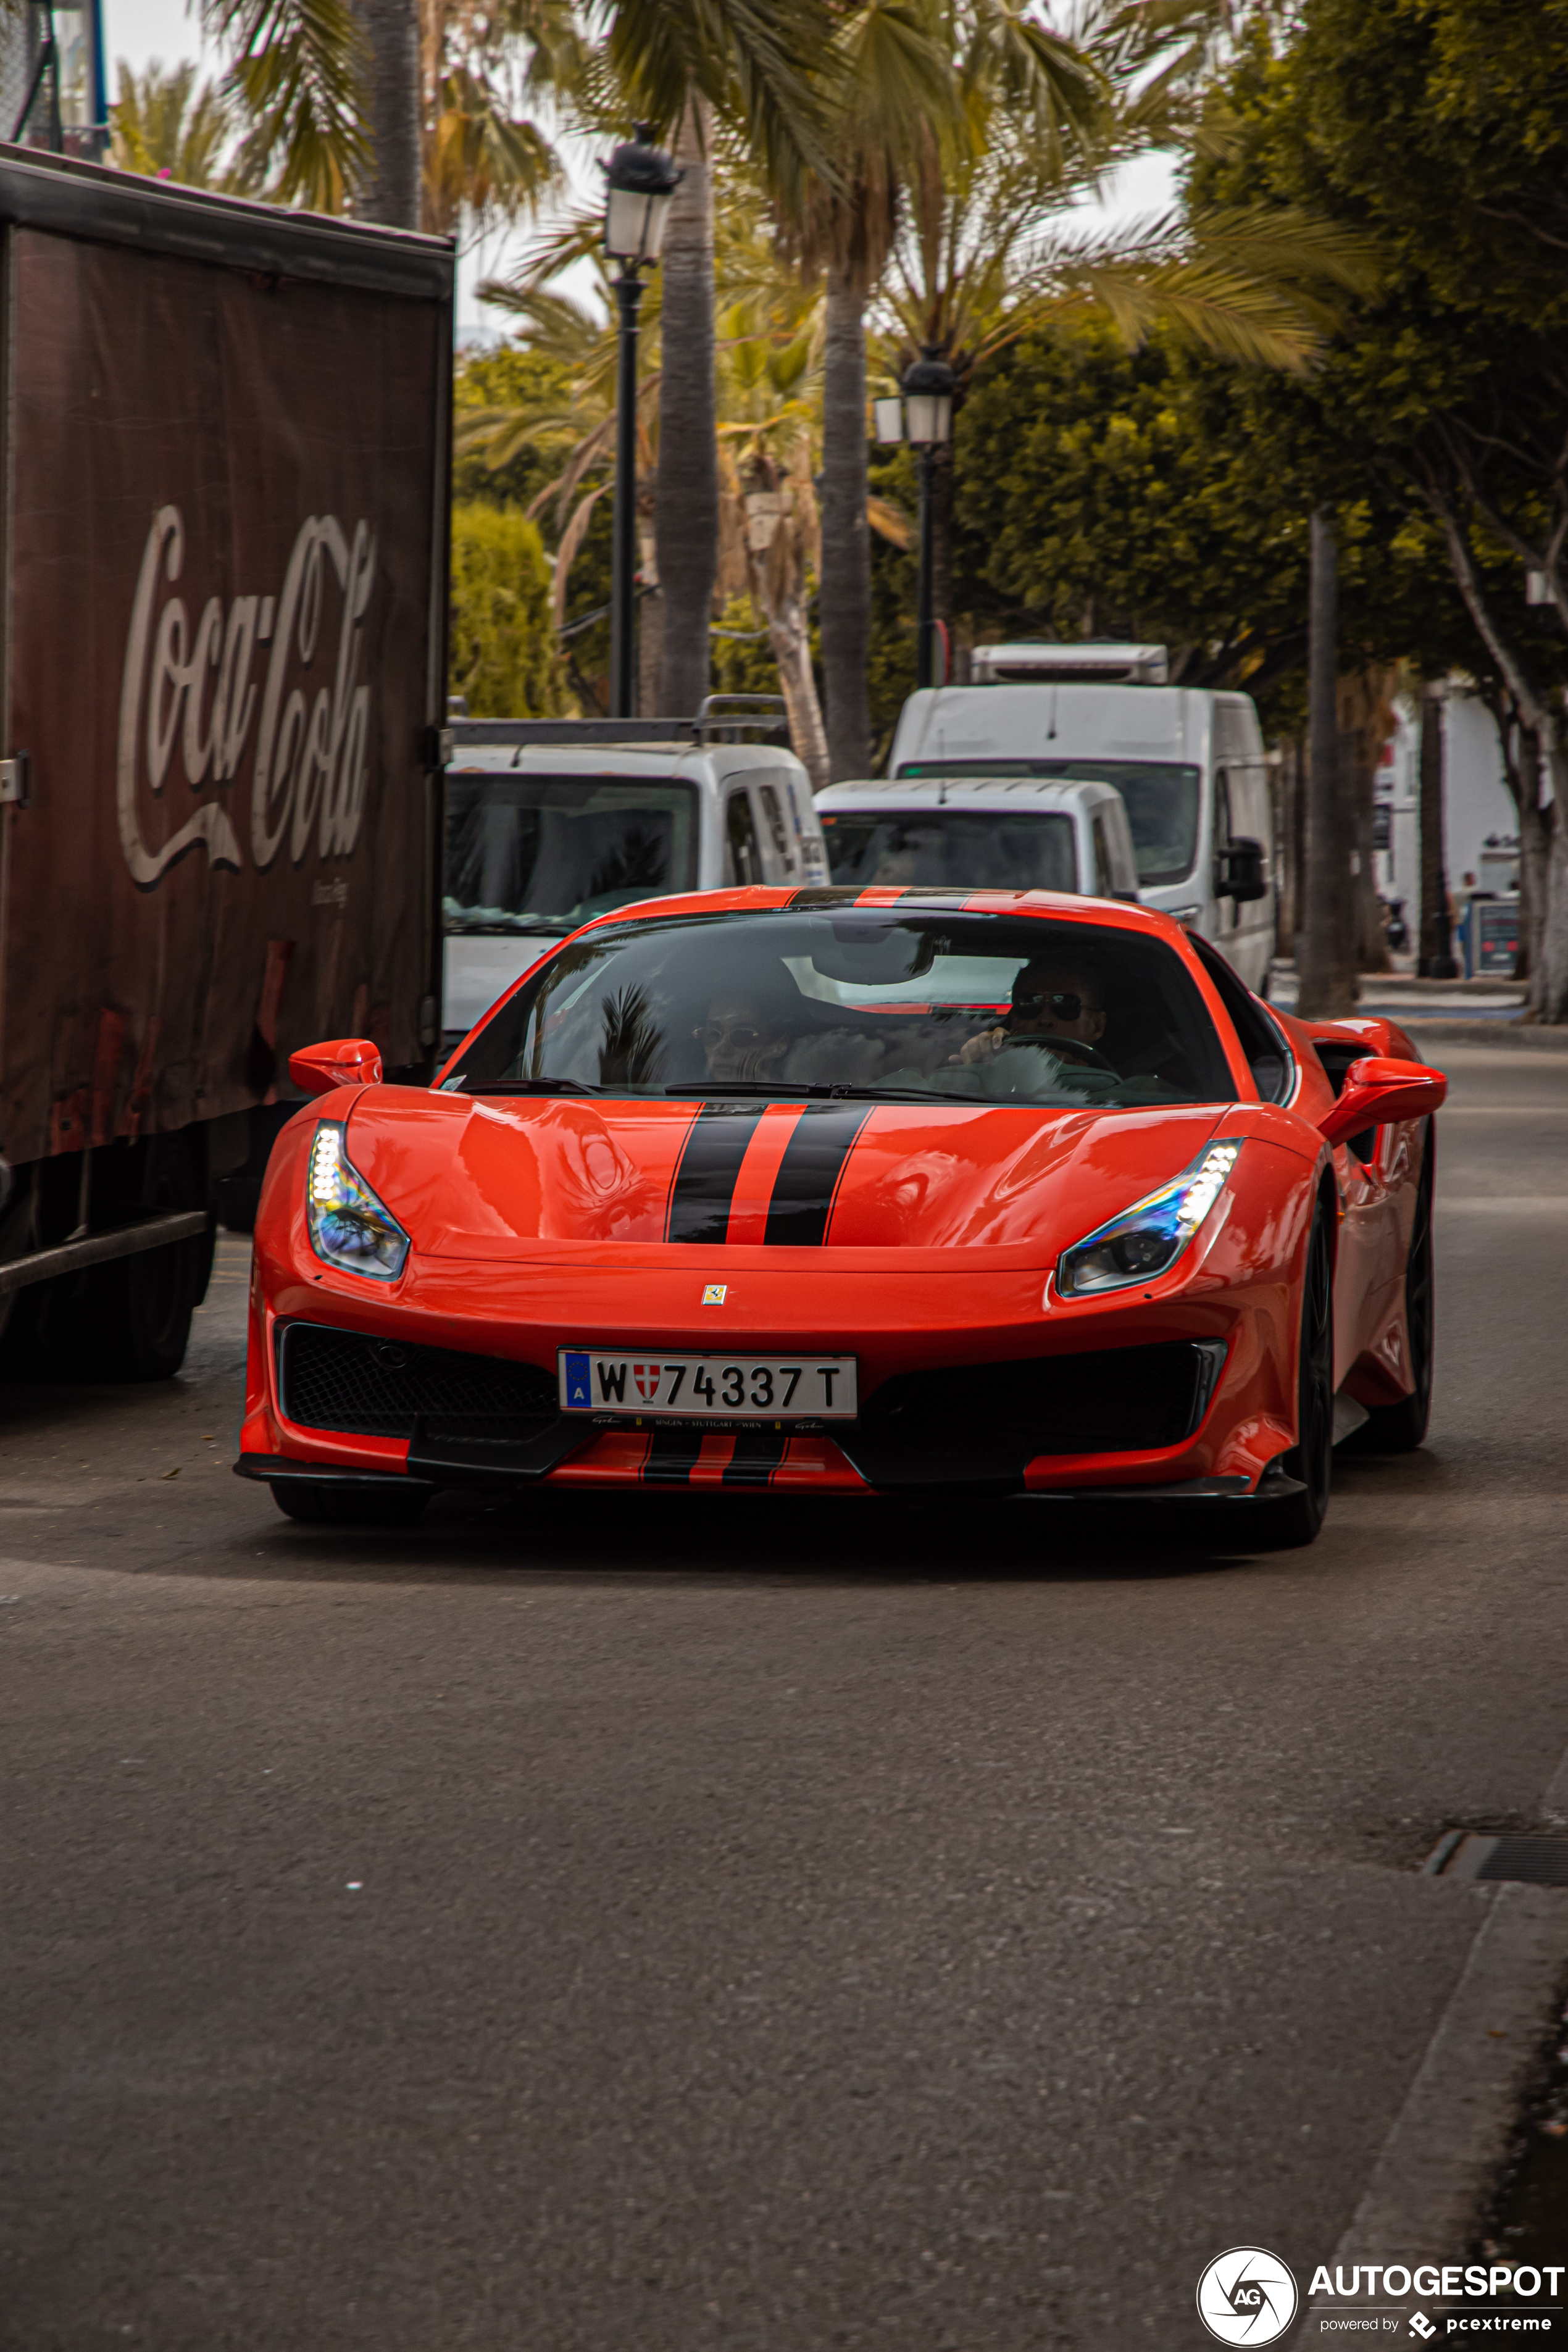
pixel 1188 763
pixel 550 821
pixel 980 833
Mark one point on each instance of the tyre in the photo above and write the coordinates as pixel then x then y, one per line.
pixel 323 1502
pixel 1295 1519
pixel 1400 1428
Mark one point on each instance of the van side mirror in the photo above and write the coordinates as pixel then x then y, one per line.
pixel 341 1062
pixel 1238 870
pixel 1378 1092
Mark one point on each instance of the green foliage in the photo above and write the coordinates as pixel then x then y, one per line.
pixel 169 126
pixel 503 656
pixel 510 377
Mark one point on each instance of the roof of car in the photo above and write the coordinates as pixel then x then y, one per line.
pixel 708 762
pixel 1046 792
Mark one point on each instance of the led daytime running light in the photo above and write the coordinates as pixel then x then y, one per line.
pixel 350 1228
pixel 1146 1240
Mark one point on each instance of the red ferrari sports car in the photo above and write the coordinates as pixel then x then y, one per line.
pixel 838 1192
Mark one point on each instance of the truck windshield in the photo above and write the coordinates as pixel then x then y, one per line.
pixel 1161 797
pixel 547 853
pixel 974 848
pixel 882 1003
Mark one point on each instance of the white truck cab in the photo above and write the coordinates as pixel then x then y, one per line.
pixel 1188 763
pixel 550 821
pixel 982 833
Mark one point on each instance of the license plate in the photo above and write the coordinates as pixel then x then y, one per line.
pixel 708 1388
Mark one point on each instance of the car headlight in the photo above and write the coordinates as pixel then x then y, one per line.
pixel 1147 1239
pixel 349 1226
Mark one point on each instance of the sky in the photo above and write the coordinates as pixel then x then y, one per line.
pixel 169 31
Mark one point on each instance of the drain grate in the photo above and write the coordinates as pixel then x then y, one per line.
pixel 1535 1861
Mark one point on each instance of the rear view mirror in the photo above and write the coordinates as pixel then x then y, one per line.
pixel 1238 870
pixel 341 1062
pixel 1377 1093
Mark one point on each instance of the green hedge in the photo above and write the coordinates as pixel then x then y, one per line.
pixel 503 654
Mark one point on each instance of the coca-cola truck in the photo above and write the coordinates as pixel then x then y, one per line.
pixel 223 574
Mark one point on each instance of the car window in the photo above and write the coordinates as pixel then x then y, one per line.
pixel 977 849
pixel 777 833
pixel 743 852
pixel 548 852
pixel 1104 870
pixel 1160 798
pixel 927 1003
pixel 1268 1056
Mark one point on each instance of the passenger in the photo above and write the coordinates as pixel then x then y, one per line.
pixel 1051 1000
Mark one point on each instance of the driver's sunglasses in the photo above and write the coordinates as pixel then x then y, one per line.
pixel 1063 1003
pixel 729 1033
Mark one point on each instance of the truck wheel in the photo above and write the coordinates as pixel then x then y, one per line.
pixel 324 1503
pixel 143 1310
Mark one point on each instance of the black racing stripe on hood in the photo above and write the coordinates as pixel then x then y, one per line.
pixel 810 1172
pixel 758 1452
pixel 824 894
pixel 704 1182
pixel 672 1456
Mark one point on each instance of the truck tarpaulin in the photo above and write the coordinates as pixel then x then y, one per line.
pixel 224 506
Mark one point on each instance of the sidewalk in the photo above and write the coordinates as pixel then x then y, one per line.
pixel 1456 1012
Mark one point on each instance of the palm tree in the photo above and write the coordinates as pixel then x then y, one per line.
pixel 891 74
pixel 698 66
pixel 169 126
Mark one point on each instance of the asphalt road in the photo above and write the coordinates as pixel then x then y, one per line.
pixel 683 1928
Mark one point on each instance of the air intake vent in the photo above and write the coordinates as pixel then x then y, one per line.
pixel 346 1381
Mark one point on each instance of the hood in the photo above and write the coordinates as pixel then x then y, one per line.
pixel 471 1179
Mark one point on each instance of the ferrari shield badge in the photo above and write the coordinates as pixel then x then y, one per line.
pixel 713 1293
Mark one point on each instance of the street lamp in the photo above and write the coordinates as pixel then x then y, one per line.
pixel 639 180
pixel 922 415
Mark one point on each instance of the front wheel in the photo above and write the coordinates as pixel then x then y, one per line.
pixel 1296 1519
pixel 324 1502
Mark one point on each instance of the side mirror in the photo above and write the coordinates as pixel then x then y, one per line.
pixel 1238 870
pixel 341 1062
pixel 1377 1093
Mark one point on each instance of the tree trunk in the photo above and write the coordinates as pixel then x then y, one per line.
pixel 1326 983
pixel 1435 953
pixel 393 194
pixel 1534 848
pixel 687 517
pixel 1549 996
pixel 791 640
pixel 844 602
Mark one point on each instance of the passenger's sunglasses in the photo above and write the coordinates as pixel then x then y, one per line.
pixel 1063 1003
pixel 729 1033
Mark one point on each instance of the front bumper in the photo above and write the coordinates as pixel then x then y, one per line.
pixel 1225 1346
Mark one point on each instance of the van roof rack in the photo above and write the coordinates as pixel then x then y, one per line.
pixel 720 718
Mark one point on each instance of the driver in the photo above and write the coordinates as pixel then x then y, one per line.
pixel 741 1038
pixel 1052 999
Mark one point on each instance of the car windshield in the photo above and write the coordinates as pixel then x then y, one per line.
pixel 974 848
pixel 548 852
pixel 882 1003
pixel 1161 798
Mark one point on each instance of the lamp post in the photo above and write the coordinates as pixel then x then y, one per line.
pixel 922 415
pixel 639 180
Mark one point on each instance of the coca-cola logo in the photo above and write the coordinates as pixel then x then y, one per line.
pixel 191 685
